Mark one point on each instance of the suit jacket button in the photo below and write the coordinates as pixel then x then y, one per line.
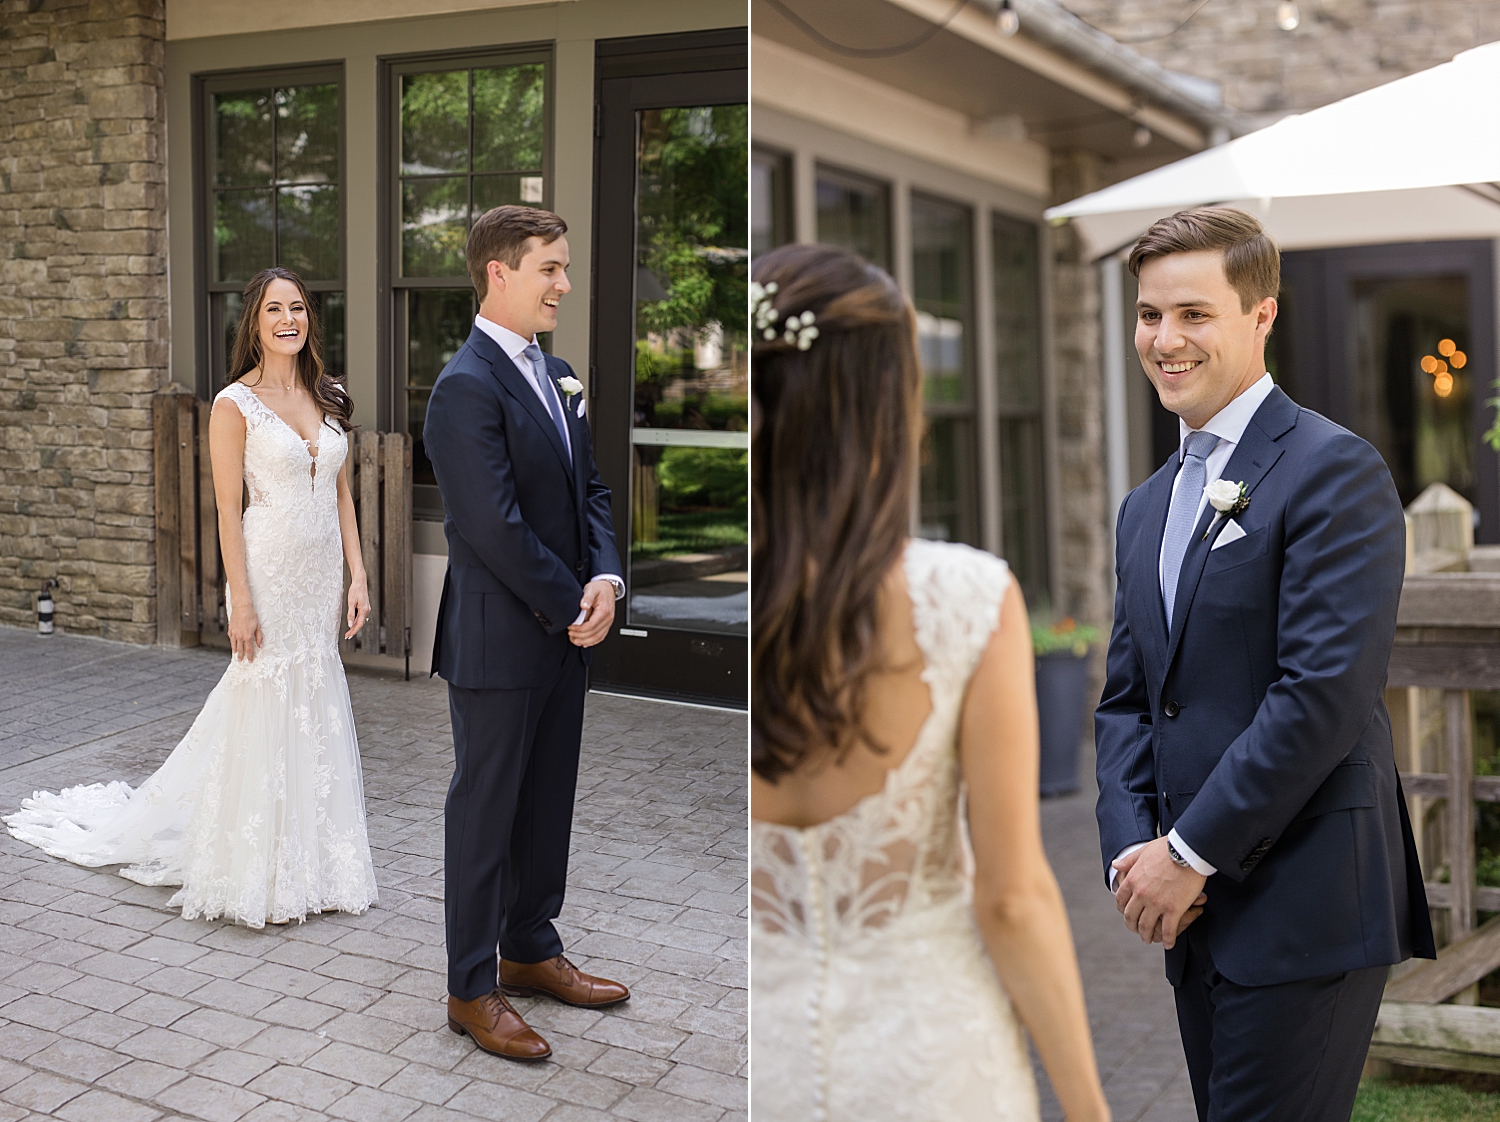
pixel 1171 709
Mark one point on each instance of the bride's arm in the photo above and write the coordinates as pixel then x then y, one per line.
pixel 1017 903
pixel 226 451
pixel 359 592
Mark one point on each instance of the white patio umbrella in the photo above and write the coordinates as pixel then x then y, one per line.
pixel 1417 159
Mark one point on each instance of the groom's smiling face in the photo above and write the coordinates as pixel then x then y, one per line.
pixel 1198 345
pixel 525 298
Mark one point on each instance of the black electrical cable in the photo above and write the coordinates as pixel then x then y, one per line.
pixel 866 52
pixel 1133 39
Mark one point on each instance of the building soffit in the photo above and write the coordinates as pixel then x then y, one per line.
pixel 997 83
pixel 201 19
pixel 801 86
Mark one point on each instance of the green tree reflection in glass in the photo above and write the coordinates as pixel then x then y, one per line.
pixel 509 102
pixel 692 264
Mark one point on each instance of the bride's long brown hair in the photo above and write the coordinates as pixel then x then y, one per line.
pixel 332 399
pixel 836 428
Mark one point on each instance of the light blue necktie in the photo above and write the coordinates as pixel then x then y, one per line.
pixel 549 392
pixel 1183 515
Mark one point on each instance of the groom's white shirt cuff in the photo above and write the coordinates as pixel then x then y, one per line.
pixel 1199 866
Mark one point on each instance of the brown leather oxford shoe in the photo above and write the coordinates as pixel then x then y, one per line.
pixel 496 1027
pixel 559 978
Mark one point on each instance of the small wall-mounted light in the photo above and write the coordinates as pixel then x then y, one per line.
pixel 1287 15
pixel 1007 22
pixel 45 609
pixel 1140 136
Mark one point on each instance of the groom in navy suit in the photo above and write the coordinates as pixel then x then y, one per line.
pixel 1250 813
pixel 531 585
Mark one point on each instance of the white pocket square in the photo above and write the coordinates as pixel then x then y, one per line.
pixel 580 405
pixel 1232 532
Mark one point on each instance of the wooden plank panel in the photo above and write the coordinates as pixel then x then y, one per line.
pixel 209 580
pixel 396 531
pixel 1450 600
pixel 1460 812
pixel 1457 967
pixel 368 494
pixel 164 466
pixel 1449 666
pixel 1429 784
pixel 187 517
pixel 1473 1029
pixel 1435 1057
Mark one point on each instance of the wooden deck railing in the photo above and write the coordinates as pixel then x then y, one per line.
pixel 1447 645
pixel 190 605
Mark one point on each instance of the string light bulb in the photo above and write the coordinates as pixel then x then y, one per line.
pixel 1007 22
pixel 1140 136
pixel 1287 15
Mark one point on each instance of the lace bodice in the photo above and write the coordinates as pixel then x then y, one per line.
pixel 901 849
pixel 292 543
pixel 279 463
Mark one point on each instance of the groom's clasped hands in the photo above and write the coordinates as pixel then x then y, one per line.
pixel 1157 897
pixel 596 613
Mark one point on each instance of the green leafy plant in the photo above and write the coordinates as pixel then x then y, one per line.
pixel 1066 634
pixel 1492 436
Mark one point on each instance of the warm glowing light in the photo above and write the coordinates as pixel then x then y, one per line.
pixel 1442 385
pixel 1457 360
pixel 1287 15
pixel 1447 347
pixel 1441 368
pixel 1429 364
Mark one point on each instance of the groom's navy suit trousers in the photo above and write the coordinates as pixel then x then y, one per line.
pixel 527 525
pixel 1257 728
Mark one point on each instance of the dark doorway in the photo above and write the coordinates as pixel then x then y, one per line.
pixel 671 360
pixel 1397 344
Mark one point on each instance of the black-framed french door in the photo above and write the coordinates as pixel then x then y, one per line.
pixel 1397 344
pixel 670 384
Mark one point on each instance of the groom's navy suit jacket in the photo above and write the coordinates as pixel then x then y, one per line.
pixel 527 524
pixel 1257 726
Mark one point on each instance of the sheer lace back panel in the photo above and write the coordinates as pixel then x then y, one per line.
pixel 901 849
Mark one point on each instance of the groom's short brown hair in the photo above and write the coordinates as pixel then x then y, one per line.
pixel 501 233
pixel 1252 263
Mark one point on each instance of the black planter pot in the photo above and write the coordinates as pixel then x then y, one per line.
pixel 1061 679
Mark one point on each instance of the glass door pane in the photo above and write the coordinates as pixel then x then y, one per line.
pixel 942 272
pixel 689 470
pixel 1414 395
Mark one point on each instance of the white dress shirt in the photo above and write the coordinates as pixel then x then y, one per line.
pixel 541 383
pixel 1228 424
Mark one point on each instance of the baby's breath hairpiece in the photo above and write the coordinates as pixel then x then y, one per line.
pixel 798 330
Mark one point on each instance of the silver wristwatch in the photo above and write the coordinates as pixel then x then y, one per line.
pixel 1177 858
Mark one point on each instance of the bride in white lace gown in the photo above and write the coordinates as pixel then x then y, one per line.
pixel 894 721
pixel 259 811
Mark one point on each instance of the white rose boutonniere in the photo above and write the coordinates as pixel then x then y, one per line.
pixel 1226 497
pixel 570 386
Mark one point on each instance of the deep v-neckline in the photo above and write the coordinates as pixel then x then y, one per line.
pixel 313 450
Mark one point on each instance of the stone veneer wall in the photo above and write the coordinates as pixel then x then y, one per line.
pixel 1083 537
pixel 1341 47
pixel 83 308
